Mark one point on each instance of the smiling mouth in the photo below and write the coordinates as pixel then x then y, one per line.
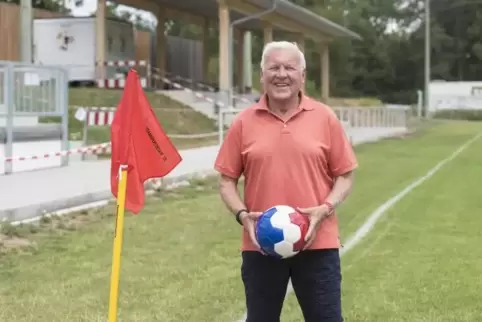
pixel 281 85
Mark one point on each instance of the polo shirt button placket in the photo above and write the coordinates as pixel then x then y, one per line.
pixel 284 129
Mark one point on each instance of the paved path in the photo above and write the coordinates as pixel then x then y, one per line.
pixel 29 194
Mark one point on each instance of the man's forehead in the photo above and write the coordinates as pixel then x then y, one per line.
pixel 282 55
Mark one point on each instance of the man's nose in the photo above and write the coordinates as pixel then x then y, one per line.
pixel 282 72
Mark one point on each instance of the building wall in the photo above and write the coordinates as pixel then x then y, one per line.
pixel 10 32
pixel 10 29
pixel 143 45
pixel 455 95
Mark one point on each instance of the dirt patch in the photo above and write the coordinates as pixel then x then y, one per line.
pixel 14 243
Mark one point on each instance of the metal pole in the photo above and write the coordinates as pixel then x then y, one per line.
pixel 220 126
pixel 419 104
pixel 9 105
pixel 26 30
pixel 247 64
pixel 231 45
pixel 63 106
pixel 427 57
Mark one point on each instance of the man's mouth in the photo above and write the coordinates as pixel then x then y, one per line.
pixel 281 85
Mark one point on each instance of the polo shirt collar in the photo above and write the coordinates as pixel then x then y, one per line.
pixel 304 103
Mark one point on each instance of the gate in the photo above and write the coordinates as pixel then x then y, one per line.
pixel 29 92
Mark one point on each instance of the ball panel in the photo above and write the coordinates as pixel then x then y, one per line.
pixel 303 223
pixel 285 209
pixel 291 233
pixel 284 249
pixel 266 234
pixel 280 219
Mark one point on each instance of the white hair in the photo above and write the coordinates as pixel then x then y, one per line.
pixel 274 45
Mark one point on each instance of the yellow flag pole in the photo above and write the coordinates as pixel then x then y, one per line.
pixel 116 256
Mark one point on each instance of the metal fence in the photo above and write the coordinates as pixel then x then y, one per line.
pixel 27 93
pixel 373 116
pixel 350 117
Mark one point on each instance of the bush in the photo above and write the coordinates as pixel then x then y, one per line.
pixel 459 114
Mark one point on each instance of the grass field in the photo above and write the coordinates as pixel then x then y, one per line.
pixel 181 263
pixel 174 117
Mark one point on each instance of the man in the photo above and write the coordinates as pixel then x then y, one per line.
pixel 292 150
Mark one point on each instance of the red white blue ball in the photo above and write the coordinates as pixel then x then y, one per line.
pixel 281 231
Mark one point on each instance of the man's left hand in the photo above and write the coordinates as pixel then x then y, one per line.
pixel 316 216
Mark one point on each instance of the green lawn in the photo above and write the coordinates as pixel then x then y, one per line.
pixel 181 263
pixel 174 117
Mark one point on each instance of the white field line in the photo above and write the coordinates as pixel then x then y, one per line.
pixel 373 218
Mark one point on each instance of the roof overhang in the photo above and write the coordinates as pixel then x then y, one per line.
pixel 286 17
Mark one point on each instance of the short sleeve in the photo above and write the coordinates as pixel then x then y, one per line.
pixel 229 160
pixel 342 158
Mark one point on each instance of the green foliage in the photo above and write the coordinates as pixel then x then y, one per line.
pixel 461 114
pixel 388 63
pixel 51 5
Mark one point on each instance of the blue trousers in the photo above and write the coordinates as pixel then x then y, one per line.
pixel 315 276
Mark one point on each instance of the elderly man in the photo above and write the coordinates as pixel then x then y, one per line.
pixel 292 150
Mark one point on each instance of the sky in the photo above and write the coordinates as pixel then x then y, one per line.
pixel 89 7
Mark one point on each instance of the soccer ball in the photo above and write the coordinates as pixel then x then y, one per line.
pixel 281 231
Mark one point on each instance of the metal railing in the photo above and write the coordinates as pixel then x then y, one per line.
pixel 28 92
pixel 372 116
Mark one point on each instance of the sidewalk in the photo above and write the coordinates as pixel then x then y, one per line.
pixel 29 194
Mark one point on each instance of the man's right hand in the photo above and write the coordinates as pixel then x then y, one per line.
pixel 249 223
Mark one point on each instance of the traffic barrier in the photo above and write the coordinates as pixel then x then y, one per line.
pixel 120 82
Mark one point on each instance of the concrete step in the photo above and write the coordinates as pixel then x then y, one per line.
pixel 201 105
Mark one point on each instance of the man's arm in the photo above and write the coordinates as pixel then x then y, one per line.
pixel 342 163
pixel 228 189
pixel 341 188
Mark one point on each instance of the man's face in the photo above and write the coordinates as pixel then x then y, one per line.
pixel 283 76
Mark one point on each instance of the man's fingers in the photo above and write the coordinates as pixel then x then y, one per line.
pixel 309 242
pixel 310 231
pixel 252 235
pixel 254 215
pixel 305 211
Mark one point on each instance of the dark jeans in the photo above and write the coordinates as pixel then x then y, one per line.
pixel 315 276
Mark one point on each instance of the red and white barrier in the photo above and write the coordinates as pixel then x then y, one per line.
pixel 120 82
pixel 123 63
pixel 100 116
pixel 117 83
pixel 94 149
pixel 104 116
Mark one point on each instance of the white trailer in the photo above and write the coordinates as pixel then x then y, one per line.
pixel 70 43
pixel 455 95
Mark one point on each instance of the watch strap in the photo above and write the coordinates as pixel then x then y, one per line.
pixel 238 215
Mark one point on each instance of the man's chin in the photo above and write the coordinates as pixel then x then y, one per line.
pixel 280 96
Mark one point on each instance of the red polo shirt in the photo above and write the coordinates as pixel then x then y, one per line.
pixel 288 161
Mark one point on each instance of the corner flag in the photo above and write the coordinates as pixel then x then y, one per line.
pixel 140 151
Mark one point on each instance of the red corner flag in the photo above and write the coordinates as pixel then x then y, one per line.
pixel 138 142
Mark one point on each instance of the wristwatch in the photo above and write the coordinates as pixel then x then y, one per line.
pixel 238 215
